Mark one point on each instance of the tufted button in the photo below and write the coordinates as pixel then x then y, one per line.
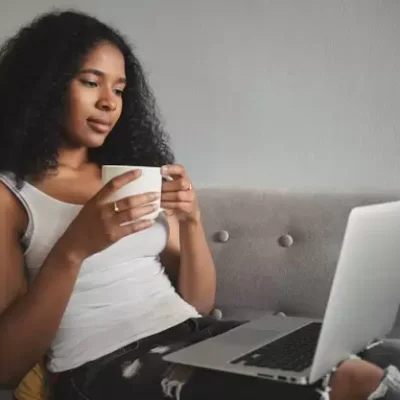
pixel 280 314
pixel 285 240
pixel 216 313
pixel 221 236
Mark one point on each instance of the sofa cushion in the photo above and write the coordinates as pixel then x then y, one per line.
pixel 233 313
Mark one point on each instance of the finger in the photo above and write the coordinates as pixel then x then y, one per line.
pixel 177 206
pixel 173 170
pixel 177 184
pixel 137 200
pixel 184 196
pixel 117 183
pixel 134 228
pixel 132 214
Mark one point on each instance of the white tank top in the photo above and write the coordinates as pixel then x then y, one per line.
pixel 121 295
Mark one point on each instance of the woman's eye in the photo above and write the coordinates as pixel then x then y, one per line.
pixel 118 92
pixel 89 83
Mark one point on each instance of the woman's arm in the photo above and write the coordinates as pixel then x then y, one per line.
pixel 188 260
pixel 30 317
pixel 187 256
pixel 28 320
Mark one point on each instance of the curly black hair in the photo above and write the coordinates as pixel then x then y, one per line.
pixel 36 67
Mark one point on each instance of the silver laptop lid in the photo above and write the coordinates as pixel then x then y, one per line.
pixel 365 293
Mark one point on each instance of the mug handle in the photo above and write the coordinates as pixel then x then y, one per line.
pixel 167 178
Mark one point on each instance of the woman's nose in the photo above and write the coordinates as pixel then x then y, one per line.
pixel 107 101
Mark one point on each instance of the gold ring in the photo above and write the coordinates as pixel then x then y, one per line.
pixel 116 208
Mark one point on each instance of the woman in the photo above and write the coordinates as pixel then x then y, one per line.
pixel 97 300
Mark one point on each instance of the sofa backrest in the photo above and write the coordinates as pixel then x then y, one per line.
pixel 277 250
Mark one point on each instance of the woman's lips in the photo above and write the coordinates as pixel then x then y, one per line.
pixel 99 125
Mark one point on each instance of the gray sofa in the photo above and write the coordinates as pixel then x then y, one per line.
pixel 276 251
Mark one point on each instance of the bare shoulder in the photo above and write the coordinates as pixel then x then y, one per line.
pixel 14 222
pixel 12 211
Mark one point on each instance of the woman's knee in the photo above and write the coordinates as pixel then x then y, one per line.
pixel 355 379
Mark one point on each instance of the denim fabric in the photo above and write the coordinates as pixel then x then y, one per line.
pixel 138 372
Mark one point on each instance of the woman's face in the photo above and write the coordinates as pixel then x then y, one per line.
pixel 95 97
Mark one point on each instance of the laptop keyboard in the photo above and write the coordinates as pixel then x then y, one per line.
pixel 292 352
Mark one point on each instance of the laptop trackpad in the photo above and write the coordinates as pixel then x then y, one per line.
pixel 248 336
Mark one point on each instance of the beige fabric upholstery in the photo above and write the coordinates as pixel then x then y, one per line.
pixel 276 251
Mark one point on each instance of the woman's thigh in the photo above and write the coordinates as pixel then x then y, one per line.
pixel 149 376
pixel 143 374
pixel 205 384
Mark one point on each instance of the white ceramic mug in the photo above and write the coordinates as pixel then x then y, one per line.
pixel 149 181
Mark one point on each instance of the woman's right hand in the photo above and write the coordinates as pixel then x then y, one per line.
pixel 98 224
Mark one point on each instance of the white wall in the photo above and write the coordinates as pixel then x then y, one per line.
pixel 279 93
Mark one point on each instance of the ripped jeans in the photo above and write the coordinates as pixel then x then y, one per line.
pixel 137 372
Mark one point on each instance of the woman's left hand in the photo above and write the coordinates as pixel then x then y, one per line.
pixel 178 195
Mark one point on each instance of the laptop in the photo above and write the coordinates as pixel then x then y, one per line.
pixel 362 308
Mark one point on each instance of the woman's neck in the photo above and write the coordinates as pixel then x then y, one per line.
pixel 73 158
